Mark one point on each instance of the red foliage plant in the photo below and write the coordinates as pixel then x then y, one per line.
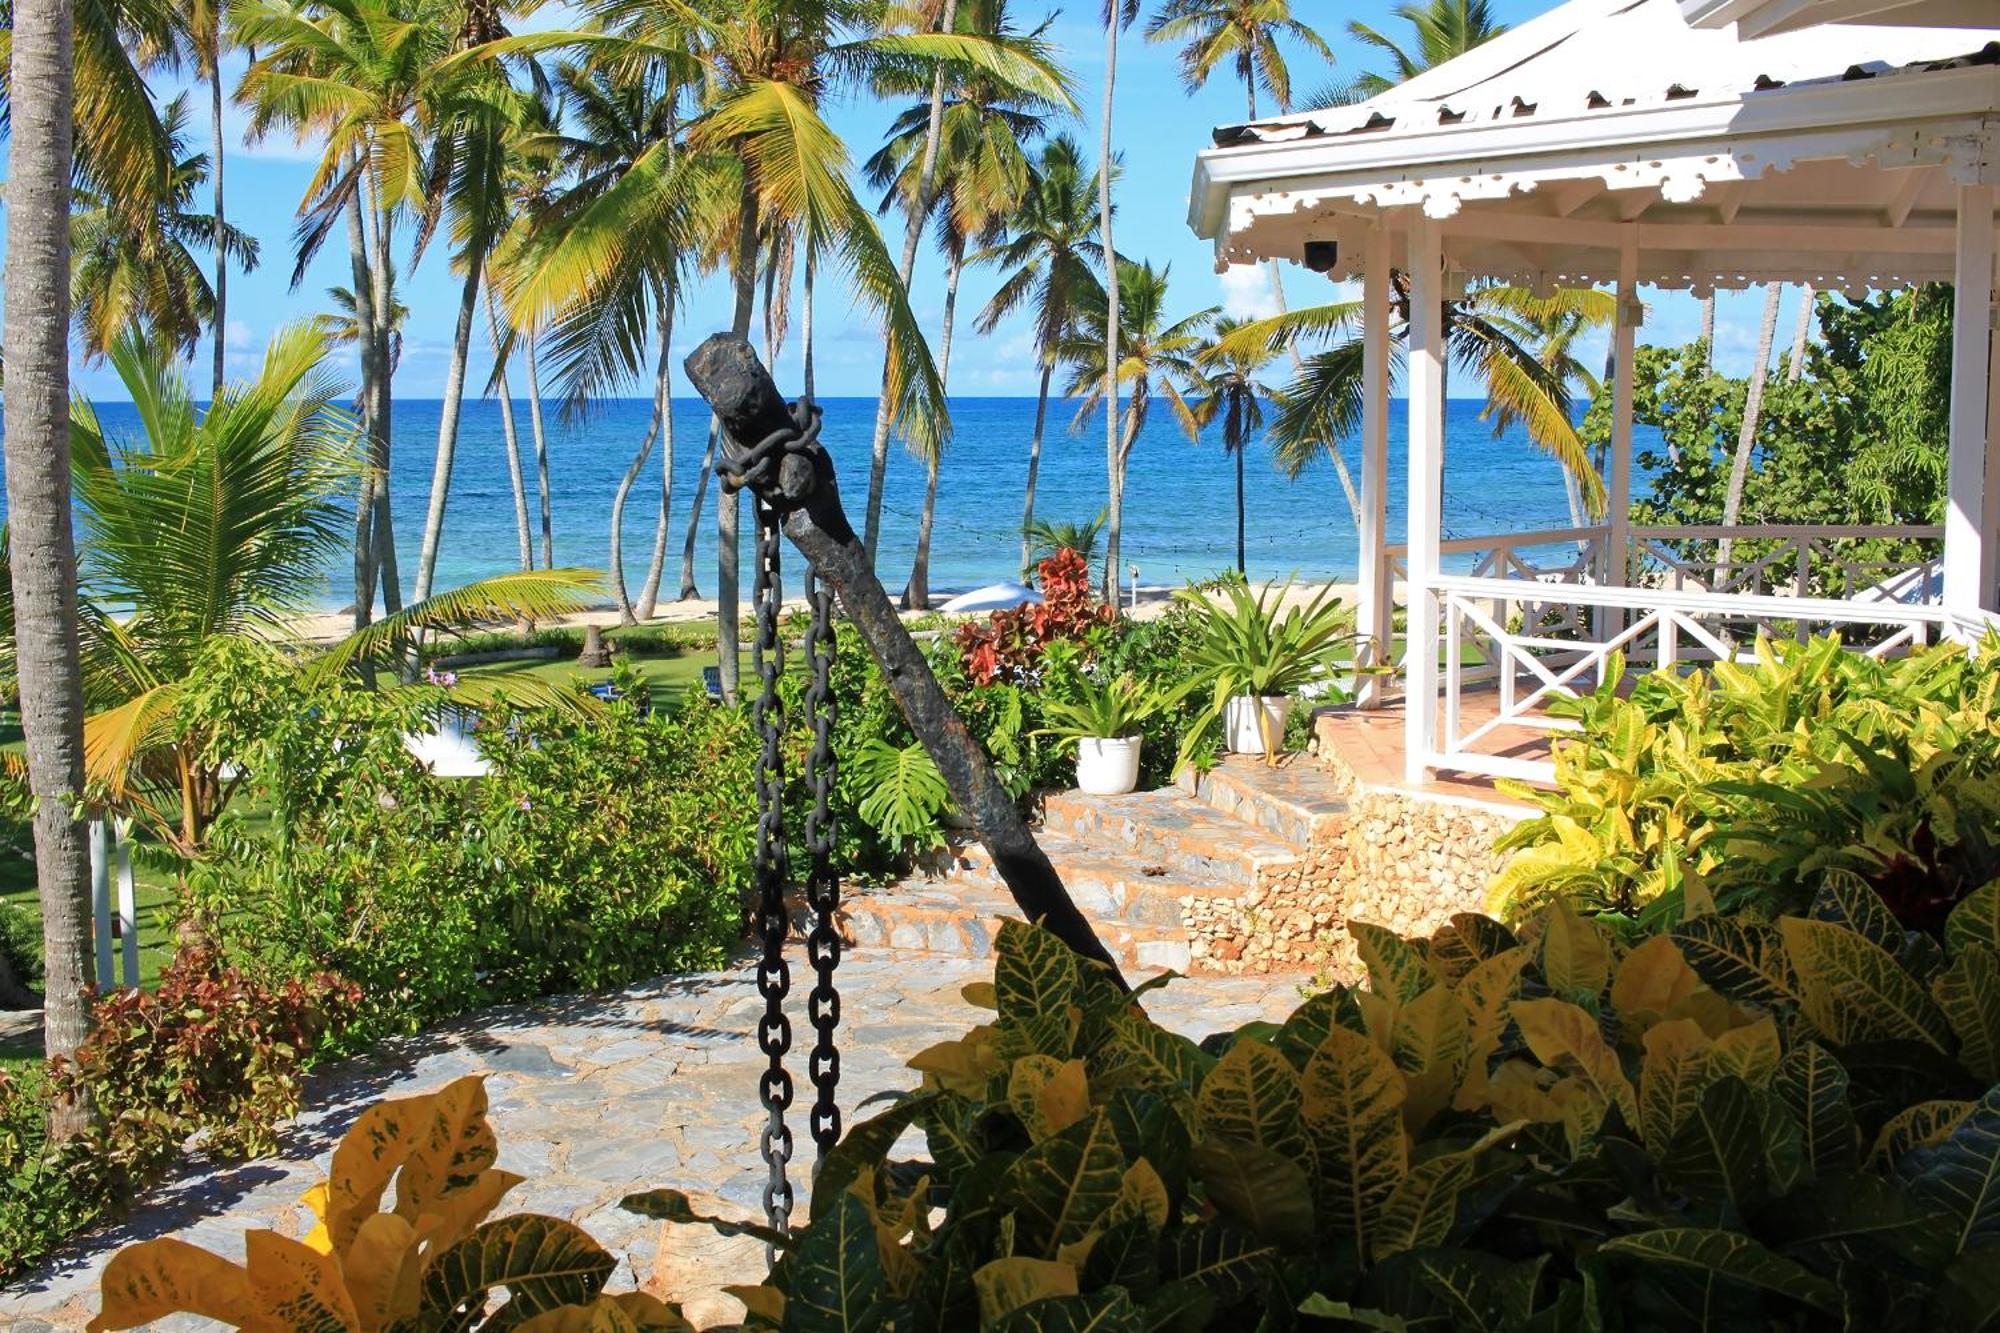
pixel 1009 645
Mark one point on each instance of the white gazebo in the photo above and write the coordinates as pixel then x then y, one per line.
pixel 1609 142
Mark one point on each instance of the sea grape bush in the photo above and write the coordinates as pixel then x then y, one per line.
pixel 1753 780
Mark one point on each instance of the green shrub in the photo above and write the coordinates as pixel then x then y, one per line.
pixel 20 944
pixel 211 1055
pixel 1733 1125
pixel 596 852
pixel 1752 781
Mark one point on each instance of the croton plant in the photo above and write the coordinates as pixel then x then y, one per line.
pixel 1732 1124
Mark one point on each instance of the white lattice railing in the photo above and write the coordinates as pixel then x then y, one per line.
pixel 1653 628
pixel 1795 560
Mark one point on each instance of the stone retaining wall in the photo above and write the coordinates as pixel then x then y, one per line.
pixel 1285 924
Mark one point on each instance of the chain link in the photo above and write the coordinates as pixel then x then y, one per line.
pixel 822 887
pixel 774 981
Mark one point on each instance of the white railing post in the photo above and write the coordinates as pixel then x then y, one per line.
pixel 1965 562
pixel 1618 486
pixel 1376 619
pixel 1426 406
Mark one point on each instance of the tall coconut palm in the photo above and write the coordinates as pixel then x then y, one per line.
pixel 1116 14
pixel 766 67
pixel 42 569
pixel 1228 388
pixel 1243 34
pixel 1441 30
pixel 1515 343
pixel 1049 259
pixel 1746 435
pixel 1157 355
pixel 206 37
pixel 133 267
pixel 215 524
pixel 978 148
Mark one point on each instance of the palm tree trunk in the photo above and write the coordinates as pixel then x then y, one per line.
pixel 806 314
pixel 661 376
pixel 1035 462
pixel 1800 333
pixel 523 534
pixel 1115 509
pixel 917 596
pixel 1746 438
pixel 43 546
pixel 656 563
pixel 383 535
pixel 1708 331
pixel 1242 565
pixel 447 445
pixel 913 231
pixel 728 507
pixel 689 589
pixel 371 371
pixel 535 426
pixel 221 326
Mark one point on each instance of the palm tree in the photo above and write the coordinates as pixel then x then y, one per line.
pixel 1443 30
pixel 1049 255
pixel 42 572
pixel 977 148
pixel 765 71
pixel 1746 435
pixel 1229 389
pixel 206 39
pixel 1044 538
pixel 1157 357
pixel 1116 14
pixel 1515 343
pixel 1242 33
pixel 217 525
pixel 131 268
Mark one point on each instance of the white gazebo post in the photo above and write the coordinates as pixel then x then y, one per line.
pixel 1618 486
pixel 1377 584
pixel 1966 561
pixel 1426 486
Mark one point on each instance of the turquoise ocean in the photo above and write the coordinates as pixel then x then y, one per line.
pixel 1179 509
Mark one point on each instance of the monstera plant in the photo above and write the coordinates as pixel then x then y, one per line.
pixel 433 1261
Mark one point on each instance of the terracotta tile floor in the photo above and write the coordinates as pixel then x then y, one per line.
pixel 1371 742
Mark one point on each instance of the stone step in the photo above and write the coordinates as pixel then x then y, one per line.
pixel 958 917
pixel 1171 829
pixel 1107 888
pixel 1297 801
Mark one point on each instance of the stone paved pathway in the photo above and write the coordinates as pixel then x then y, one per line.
pixel 594 1097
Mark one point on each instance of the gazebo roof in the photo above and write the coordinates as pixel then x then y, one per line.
pixel 1826 155
pixel 1755 18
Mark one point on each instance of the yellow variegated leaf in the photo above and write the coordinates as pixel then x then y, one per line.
pixel 1253 1095
pixel 1651 981
pixel 1066 1183
pixel 1049 1095
pixel 1397 967
pixel 1005 1285
pixel 1714 1014
pixel 1036 986
pixel 1853 991
pixel 764 1304
pixel 1519 1091
pixel 1430 1043
pixel 384 1271
pixel 980 995
pixel 319 1238
pixel 1576 958
pixel 1672 1077
pixel 627 1312
pixel 1423 1206
pixel 1141 1194
pixel 1353 1106
pixel 963 1065
pixel 439 1142
pixel 1976 920
pixel 1567 1039
pixel 1917 1126
pixel 297 1287
pixel 156 1278
pixel 1378 1015
pixel 1969 993
pixel 1750 1052
pixel 1488 989
pixel 1696 899
pixel 1582 1107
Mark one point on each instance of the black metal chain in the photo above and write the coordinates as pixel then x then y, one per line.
pixel 774 980
pixel 822 887
pixel 759 469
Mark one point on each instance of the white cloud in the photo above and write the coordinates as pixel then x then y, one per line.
pixel 1246 292
pixel 236 335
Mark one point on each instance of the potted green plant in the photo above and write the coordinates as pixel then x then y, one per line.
pixel 1257 657
pixel 1104 720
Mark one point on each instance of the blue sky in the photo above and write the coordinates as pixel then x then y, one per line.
pixel 1159 127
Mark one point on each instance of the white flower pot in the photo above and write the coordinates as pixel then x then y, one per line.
pixel 1242 730
pixel 1107 765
